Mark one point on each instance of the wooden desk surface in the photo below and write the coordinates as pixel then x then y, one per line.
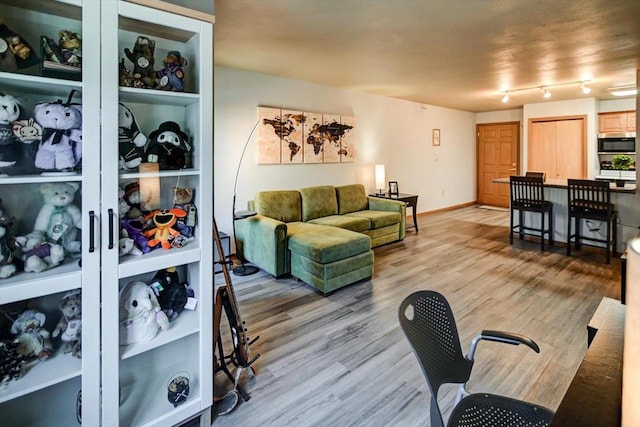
pixel 594 397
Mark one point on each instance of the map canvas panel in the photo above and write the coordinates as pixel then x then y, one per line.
pixel 269 131
pixel 348 151
pixel 313 138
pixel 331 131
pixel 291 143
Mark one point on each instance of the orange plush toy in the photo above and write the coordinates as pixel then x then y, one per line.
pixel 162 233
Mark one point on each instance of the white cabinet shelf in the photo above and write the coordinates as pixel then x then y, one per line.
pixel 22 286
pixel 159 259
pixel 186 324
pixel 56 369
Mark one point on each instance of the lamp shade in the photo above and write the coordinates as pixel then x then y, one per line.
pixel 380 178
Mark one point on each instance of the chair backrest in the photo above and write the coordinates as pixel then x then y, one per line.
pixel 428 323
pixel 589 198
pixel 536 175
pixel 526 191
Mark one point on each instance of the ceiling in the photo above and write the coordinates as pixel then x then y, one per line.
pixel 451 53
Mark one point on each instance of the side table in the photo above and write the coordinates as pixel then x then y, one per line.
pixel 411 200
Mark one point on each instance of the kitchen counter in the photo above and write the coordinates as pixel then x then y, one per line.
pixel 624 198
pixel 629 187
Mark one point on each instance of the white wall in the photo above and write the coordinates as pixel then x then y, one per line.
pixel 390 131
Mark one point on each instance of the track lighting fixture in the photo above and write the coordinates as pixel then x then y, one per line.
pixel 545 89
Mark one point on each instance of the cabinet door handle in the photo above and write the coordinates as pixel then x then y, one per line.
pixel 92 229
pixel 111 221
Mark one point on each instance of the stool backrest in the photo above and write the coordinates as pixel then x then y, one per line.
pixel 589 197
pixel 526 191
pixel 536 174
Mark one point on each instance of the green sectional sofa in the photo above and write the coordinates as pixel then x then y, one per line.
pixel 321 235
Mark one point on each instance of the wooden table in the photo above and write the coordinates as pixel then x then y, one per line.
pixel 594 397
pixel 411 201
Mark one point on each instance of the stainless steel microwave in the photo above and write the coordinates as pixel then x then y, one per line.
pixel 617 143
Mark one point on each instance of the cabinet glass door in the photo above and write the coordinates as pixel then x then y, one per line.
pixel 49 191
pixel 156 162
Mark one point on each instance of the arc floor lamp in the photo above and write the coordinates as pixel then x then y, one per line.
pixel 243 269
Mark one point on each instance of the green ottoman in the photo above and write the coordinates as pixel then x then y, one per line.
pixel 330 257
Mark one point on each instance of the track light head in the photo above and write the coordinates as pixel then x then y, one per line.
pixel 505 98
pixel 546 93
pixel 585 89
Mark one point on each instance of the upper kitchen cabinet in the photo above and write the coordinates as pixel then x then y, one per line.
pixel 157 115
pixel 617 122
pixel 50 194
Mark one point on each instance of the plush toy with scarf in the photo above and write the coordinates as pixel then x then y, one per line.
pixel 61 145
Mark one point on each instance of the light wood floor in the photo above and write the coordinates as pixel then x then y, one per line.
pixel 342 360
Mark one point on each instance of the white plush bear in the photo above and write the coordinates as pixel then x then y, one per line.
pixel 10 149
pixel 59 219
pixel 61 139
pixel 37 254
pixel 140 314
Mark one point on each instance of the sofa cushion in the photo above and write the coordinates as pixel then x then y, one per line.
pixel 351 198
pixel 378 219
pixel 329 244
pixel 352 223
pixel 284 206
pixel 318 202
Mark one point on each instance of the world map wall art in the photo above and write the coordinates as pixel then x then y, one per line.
pixel 290 137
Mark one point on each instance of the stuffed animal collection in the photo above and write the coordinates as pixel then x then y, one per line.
pixel 49 140
pixel 169 77
pixel 141 317
pixel 26 341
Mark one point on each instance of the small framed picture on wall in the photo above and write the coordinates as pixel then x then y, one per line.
pixel 435 137
pixel 393 187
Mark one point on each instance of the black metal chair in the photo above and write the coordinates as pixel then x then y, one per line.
pixel 591 200
pixel 527 195
pixel 428 323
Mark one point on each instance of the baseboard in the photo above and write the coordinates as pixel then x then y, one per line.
pixel 448 208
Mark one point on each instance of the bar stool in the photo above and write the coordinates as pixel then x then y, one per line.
pixel 591 200
pixel 527 195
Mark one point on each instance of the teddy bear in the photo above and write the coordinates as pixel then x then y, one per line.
pixel 182 199
pixel 69 326
pixel 169 147
pixel 33 338
pixel 140 314
pixel 130 140
pixel 133 197
pixel 59 220
pixel 144 76
pixel 38 255
pixel 60 148
pixel 70 44
pixel 7 262
pixel 10 150
pixel 124 75
pixel 171 76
